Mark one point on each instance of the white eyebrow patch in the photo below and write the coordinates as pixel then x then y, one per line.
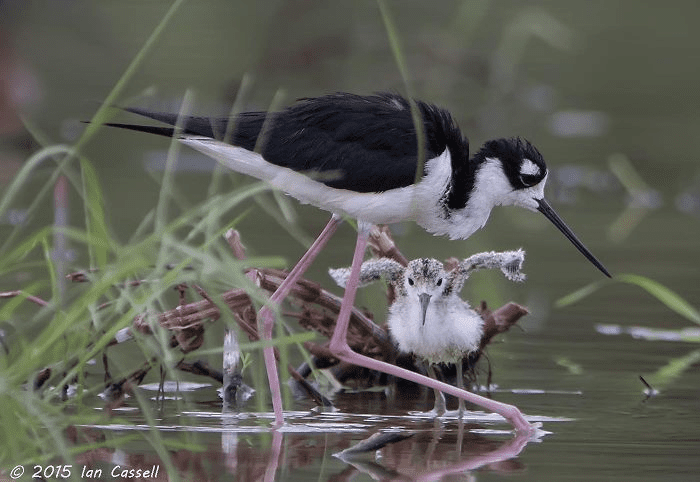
pixel 529 168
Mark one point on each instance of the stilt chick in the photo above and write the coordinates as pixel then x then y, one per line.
pixel 428 318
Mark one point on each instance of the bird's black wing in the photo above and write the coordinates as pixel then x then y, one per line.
pixel 346 141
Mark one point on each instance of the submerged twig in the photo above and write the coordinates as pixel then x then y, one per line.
pixel 202 368
pixel 313 393
pixel 375 442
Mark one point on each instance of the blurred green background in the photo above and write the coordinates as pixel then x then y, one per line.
pixel 607 90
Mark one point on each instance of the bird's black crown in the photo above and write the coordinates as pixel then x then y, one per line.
pixel 513 153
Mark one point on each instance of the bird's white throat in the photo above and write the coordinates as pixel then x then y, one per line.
pixel 491 188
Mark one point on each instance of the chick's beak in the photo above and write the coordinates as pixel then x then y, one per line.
pixel 424 300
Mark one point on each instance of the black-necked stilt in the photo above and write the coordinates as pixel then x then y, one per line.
pixel 428 318
pixel 358 156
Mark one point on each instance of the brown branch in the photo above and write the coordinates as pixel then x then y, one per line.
pixel 499 321
pixel 382 245
pixel 27 296
pixel 202 368
pixel 244 314
pixel 248 317
pixel 315 395
pixel 233 238
pixel 82 277
pixel 115 392
pixel 312 295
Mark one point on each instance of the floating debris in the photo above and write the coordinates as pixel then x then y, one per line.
pixel 650 334
pixel 375 442
pixel 649 391
pixel 174 386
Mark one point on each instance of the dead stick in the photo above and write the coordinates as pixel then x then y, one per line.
pixel 32 298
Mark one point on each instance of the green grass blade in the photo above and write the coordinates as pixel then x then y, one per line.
pixel 167 185
pixel 672 370
pixel 669 298
pixel 22 177
pixel 400 59
pixel 51 269
pixel 665 295
pixel 94 215
pixel 578 295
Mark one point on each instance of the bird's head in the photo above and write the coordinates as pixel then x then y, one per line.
pixel 513 172
pixel 424 280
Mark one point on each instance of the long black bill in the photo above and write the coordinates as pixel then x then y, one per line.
pixel 549 213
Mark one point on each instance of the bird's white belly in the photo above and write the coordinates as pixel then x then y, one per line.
pixel 449 333
pixel 374 207
pixel 377 208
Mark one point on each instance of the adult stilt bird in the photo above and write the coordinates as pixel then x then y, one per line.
pixel 358 156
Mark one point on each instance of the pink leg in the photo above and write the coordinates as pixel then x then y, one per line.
pixel 341 349
pixel 267 315
pixel 306 260
pixel 339 340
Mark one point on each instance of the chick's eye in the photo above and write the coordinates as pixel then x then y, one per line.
pixel 410 281
pixel 439 282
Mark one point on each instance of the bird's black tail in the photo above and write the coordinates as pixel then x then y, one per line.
pixel 161 131
pixel 247 126
pixel 194 125
pixel 164 117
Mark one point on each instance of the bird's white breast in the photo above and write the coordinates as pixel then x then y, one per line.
pixel 451 330
pixel 491 188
